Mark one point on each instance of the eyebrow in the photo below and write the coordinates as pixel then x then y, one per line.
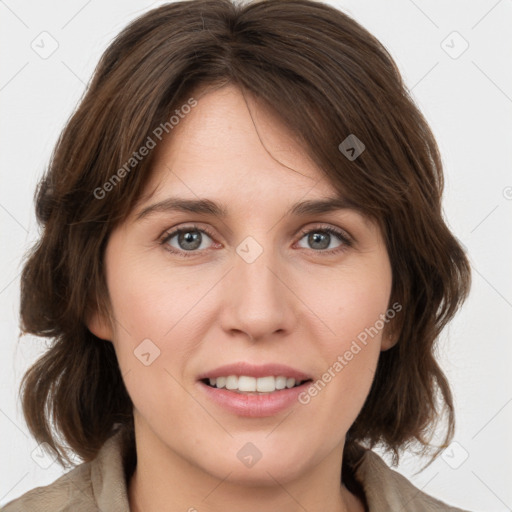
pixel 208 207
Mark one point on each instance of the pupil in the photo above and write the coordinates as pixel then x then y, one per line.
pixel 189 240
pixel 317 238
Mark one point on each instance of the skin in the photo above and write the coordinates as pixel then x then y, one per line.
pixel 294 305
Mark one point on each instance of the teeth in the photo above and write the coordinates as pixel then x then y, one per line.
pixel 246 384
pixel 231 382
pixel 281 382
pixel 263 384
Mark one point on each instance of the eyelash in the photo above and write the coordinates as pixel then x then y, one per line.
pixel 343 237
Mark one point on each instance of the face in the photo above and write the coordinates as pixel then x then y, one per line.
pixel 262 285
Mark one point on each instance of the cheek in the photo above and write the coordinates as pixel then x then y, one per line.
pixel 353 308
pixel 149 306
pixel 148 299
pixel 155 310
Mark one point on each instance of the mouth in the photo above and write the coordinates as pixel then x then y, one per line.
pixel 253 397
pixel 254 391
pixel 246 384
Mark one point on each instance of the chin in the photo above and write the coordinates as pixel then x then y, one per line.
pixel 262 474
pixel 249 466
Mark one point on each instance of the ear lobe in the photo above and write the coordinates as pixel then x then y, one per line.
pixel 97 324
pixel 389 339
pixel 388 342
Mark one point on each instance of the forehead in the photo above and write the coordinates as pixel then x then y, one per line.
pixel 231 141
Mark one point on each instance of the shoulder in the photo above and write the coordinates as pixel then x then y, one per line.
pixel 386 489
pixel 70 492
pixel 89 487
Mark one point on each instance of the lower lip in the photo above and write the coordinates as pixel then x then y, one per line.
pixel 254 406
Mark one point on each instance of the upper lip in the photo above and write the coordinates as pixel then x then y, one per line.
pixel 251 370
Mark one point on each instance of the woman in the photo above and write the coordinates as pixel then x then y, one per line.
pixel 244 269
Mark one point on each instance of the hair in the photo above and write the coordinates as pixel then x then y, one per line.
pixel 325 77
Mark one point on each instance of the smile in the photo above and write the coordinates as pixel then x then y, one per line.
pixel 248 384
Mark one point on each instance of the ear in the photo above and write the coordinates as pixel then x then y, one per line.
pixel 390 336
pixel 99 326
pixel 389 340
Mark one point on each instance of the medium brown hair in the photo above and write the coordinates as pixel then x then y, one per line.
pixel 325 77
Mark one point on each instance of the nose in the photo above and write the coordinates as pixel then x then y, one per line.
pixel 257 299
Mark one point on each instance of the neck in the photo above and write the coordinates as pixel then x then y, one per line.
pixel 165 481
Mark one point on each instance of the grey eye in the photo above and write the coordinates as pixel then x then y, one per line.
pixel 188 239
pixel 320 239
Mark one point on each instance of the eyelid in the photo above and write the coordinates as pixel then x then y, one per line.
pixel 342 233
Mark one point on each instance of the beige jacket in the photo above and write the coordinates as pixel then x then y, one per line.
pixel 100 486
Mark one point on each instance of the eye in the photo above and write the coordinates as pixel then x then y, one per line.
pixel 185 240
pixel 190 240
pixel 320 239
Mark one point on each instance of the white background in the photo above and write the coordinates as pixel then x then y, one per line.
pixel 468 102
